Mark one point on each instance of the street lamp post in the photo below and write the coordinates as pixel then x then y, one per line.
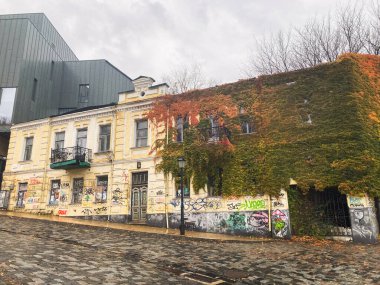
pixel 181 164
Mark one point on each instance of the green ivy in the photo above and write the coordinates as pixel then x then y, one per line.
pixel 339 148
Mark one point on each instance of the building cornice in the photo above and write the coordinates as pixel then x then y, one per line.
pixel 80 116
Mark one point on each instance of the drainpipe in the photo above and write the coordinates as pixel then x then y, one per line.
pixel 48 150
pixel 112 158
pixel 166 178
pixel 270 215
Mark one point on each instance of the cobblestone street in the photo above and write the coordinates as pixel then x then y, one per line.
pixel 44 252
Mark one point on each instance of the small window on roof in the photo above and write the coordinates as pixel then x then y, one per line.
pixel 84 90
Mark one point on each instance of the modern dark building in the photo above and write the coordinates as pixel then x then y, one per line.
pixel 41 76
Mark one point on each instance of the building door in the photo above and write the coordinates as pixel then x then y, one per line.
pixel 139 196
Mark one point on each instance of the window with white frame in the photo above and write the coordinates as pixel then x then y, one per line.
pixel 77 191
pixel 82 137
pixel 247 127
pixel 101 190
pixel 59 140
pixel 21 194
pixel 54 192
pixel 141 133
pixel 28 148
pixel 104 138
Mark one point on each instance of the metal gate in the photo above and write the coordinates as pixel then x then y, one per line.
pixel 139 196
pixel 4 199
pixel 332 210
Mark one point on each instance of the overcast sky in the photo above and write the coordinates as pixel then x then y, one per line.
pixel 151 37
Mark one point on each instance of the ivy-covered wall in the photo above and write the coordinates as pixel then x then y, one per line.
pixel 319 126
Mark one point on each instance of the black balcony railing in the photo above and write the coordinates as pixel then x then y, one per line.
pixel 77 153
pixel 214 134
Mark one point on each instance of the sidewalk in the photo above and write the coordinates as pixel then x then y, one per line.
pixel 136 228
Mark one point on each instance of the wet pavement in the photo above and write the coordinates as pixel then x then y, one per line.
pixel 48 252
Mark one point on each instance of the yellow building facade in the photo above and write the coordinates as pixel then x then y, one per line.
pixel 98 164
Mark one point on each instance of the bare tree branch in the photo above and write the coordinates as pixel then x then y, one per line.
pixel 185 78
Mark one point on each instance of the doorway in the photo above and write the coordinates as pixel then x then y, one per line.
pixel 139 196
pixel 331 208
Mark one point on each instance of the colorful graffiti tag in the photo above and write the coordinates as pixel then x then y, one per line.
pixel 280 224
pixel 236 222
pixel 259 220
pixel 198 204
pixel 252 205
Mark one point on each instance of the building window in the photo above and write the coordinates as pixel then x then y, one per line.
pixel 84 90
pixel 214 124
pixel 186 186
pixel 34 90
pixel 247 127
pixel 21 194
pixel 104 138
pixel 180 129
pixel 59 140
pixel 141 133
pixel 28 148
pixel 101 191
pixel 215 183
pixel 54 192
pixel 77 191
pixel 82 137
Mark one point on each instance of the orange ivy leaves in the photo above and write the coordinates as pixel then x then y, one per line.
pixel 193 106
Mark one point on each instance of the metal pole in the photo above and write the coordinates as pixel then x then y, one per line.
pixel 182 227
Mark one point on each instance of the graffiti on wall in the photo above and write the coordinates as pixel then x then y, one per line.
pixel 33 197
pixel 246 205
pixel 117 197
pixel 356 202
pixel 87 212
pixel 65 185
pixel 63 196
pixel 125 176
pixel 34 181
pixel 259 220
pixel 236 222
pixel 363 225
pixel 280 224
pixel 249 205
pixel 62 212
pixel 281 201
pixel 101 210
pixel 88 197
pixel 198 204
pixel 218 222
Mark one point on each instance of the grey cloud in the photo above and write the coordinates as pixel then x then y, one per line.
pixel 150 37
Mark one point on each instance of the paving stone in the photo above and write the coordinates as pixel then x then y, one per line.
pixel 43 252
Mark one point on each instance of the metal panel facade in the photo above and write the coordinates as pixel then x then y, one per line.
pixel 36 60
pixel 103 79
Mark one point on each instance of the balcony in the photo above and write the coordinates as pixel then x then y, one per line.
pixel 214 134
pixel 70 158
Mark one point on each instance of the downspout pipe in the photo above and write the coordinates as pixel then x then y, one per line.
pixel 166 176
